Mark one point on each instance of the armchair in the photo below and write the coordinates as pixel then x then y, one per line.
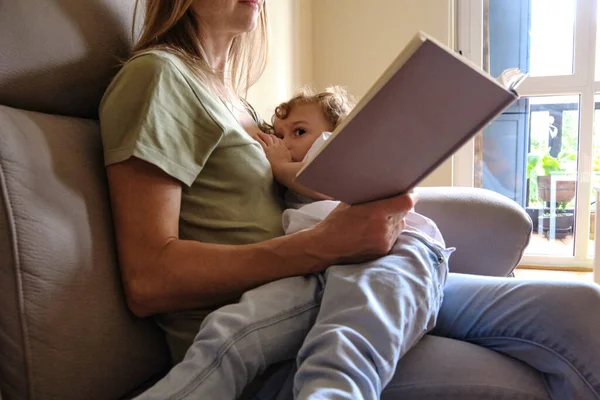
pixel 65 330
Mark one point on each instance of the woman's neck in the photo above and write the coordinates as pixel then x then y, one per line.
pixel 216 47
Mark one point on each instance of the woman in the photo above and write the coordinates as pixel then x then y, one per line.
pixel 197 216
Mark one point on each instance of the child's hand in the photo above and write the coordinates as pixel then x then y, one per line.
pixel 275 150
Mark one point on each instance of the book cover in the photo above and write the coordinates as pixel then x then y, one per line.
pixel 422 109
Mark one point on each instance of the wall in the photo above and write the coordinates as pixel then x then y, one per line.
pixel 290 61
pixel 355 40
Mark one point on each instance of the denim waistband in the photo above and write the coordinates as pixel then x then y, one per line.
pixel 441 252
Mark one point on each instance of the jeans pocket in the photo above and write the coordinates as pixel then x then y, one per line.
pixel 438 254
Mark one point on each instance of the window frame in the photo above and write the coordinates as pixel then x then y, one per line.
pixel 469 32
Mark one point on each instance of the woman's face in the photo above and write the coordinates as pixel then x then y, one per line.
pixel 228 16
pixel 299 130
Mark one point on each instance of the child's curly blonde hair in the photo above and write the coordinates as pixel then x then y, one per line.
pixel 335 102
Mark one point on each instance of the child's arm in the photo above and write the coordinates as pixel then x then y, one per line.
pixel 285 173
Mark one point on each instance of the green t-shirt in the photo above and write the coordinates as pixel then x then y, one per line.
pixel 157 110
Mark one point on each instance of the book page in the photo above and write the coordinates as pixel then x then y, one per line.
pixel 511 78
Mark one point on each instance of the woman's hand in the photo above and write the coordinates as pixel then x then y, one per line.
pixel 352 234
pixel 275 150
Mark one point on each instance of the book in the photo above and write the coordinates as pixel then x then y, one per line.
pixel 422 109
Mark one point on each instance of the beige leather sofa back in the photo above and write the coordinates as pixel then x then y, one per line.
pixel 65 331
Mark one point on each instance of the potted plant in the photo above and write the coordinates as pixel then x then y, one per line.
pixel 542 167
pixel 563 221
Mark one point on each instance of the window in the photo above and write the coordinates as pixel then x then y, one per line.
pixel 543 152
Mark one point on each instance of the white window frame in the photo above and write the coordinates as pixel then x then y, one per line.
pixel 470 42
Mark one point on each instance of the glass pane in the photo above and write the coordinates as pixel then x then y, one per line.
pixel 595 174
pixel 598 46
pixel 529 154
pixel 535 36
pixel 552 27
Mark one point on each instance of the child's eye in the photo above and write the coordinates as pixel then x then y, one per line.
pixel 299 132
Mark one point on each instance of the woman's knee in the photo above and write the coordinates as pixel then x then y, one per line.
pixel 581 297
pixel 569 303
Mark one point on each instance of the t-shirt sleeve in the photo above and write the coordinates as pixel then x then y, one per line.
pixel 150 112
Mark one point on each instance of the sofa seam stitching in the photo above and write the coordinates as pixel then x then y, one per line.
pixel 13 242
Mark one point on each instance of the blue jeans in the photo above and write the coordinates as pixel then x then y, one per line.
pixel 347 329
pixel 551 326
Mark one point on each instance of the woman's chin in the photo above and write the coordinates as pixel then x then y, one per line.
pixel 246 26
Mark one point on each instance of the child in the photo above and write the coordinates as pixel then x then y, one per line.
pixel 347 327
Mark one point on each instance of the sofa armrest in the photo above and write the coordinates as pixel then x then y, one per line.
pixel 490 232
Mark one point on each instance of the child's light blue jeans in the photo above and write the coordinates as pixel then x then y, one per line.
pixel 347 329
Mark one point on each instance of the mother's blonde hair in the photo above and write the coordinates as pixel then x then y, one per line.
pixel 172 25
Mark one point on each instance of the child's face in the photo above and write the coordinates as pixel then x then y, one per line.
pixel 303 125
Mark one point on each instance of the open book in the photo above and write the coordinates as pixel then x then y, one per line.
pixel 422 109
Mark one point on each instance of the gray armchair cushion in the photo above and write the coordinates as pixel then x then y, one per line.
pixel 490 232
pixel 441 368
pixel 65 330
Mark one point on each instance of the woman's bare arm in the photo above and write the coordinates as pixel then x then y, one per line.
pixel 162 273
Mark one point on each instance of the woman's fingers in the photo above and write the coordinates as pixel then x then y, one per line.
pixel 394 206
pixel 401 204
pixel 342 206
pixel 414 196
